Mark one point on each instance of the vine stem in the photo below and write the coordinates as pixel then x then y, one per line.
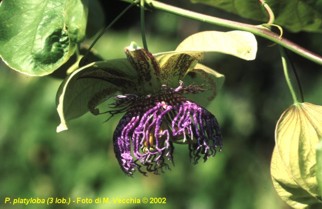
pixel 287 76
pixel 258 30
pixel 269 11
pixel 142 22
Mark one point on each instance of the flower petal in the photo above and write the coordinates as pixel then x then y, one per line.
pixel 241 44
pixel 174 66
pixel 181 66
pixel 90 85
pixel 210 80
pixel 146 66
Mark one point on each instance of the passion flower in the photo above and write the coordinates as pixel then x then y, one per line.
pixel 162 98
pixel 152 123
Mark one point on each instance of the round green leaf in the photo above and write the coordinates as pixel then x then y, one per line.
pixel 237 43
pixel 38 36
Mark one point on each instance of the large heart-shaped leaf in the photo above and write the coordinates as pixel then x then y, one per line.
pixel 237 43
pixel 286 187
pixel 38 36
pixel 294 15
pixel 297 135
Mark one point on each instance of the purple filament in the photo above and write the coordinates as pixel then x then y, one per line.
pixel 145 135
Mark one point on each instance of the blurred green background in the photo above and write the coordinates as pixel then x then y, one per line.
pixel 35 161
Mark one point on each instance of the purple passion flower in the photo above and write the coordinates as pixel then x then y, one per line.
pixel 145 135
pixel 160 116
pixel 157 94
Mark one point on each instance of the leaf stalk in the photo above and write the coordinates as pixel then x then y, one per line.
pixel 287 76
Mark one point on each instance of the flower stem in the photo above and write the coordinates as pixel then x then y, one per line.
pixel 101 33
pixel 258 30
pixel 142 22
pixel 287 77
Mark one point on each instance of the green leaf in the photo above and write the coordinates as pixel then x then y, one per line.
pixel 286 187
pixel 319 166
pixel 38 36
pixel 237 43
pixel 294 15
pixel 297 134
pixel 91 85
